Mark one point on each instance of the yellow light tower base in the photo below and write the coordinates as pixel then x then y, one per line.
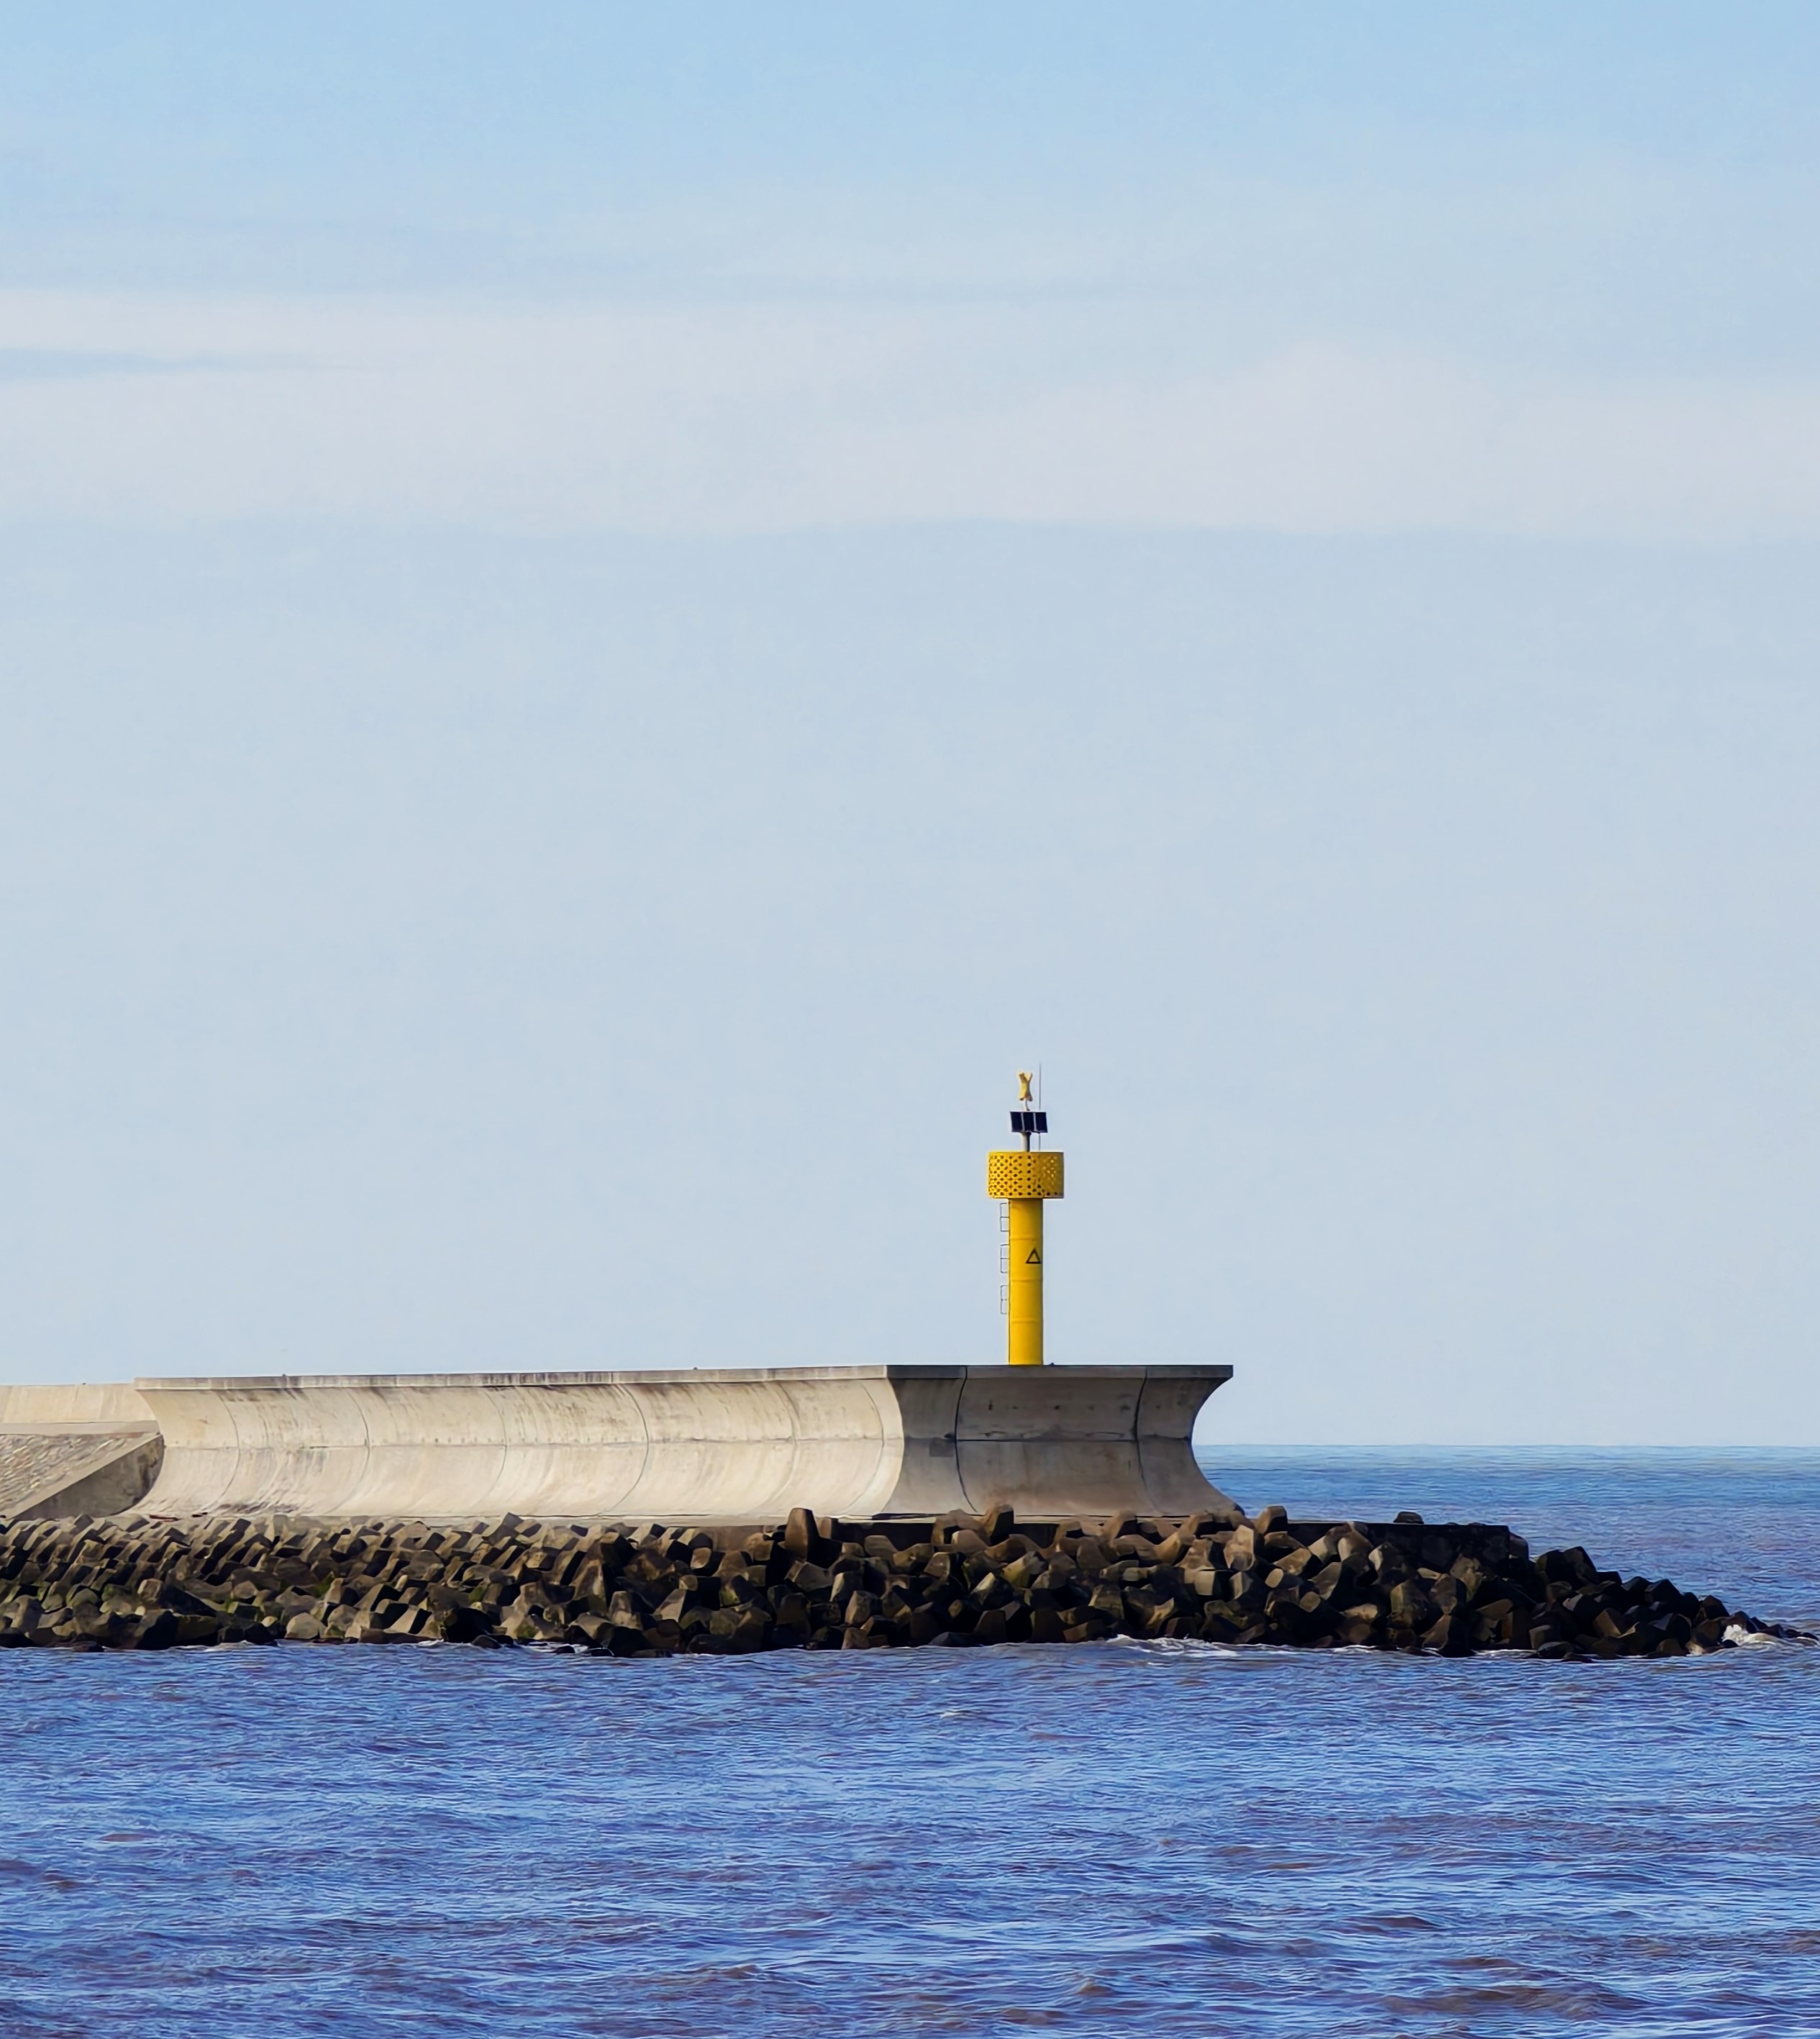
pixel 1024 1180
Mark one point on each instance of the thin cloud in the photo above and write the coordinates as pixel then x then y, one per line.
pixel 50 364
pixel 733 417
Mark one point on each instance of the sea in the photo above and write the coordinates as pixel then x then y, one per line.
pixel 1125 1838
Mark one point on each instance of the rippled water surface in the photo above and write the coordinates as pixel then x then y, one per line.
pixel 1119 1839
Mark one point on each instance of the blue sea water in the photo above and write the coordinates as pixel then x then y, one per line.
pixel 1119 1838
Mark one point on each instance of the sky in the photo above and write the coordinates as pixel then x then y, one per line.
pixel 607 620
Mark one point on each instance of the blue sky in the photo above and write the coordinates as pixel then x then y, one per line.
pixel 606 619
pixel 1341 272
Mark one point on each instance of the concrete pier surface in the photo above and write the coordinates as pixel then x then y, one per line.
pixel 735 1446
pixel 75 1450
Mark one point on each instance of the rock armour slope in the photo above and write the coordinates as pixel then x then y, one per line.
pixel 814 1583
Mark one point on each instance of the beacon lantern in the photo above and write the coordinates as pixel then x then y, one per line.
pixel 1024 1178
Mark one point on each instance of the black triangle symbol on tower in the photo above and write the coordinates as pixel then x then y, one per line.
pixel 1035 1260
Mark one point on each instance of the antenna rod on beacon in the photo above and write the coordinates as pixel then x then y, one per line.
pixel 1024 1178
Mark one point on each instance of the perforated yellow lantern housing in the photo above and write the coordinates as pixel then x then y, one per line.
pixel 1014 1174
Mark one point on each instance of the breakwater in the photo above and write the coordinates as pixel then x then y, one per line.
pixel 818 1583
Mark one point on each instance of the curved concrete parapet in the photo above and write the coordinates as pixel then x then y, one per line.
pixel 699 1447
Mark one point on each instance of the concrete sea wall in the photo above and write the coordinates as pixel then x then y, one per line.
pixel 75 1449
pixel 742 1446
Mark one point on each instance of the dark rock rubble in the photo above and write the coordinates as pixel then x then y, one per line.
pixel 1450 1589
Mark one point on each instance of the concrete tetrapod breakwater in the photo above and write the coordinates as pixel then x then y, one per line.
pixel 814 1583
pixel 737 1445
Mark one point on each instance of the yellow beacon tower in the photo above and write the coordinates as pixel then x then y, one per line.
pixel 1024 1178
